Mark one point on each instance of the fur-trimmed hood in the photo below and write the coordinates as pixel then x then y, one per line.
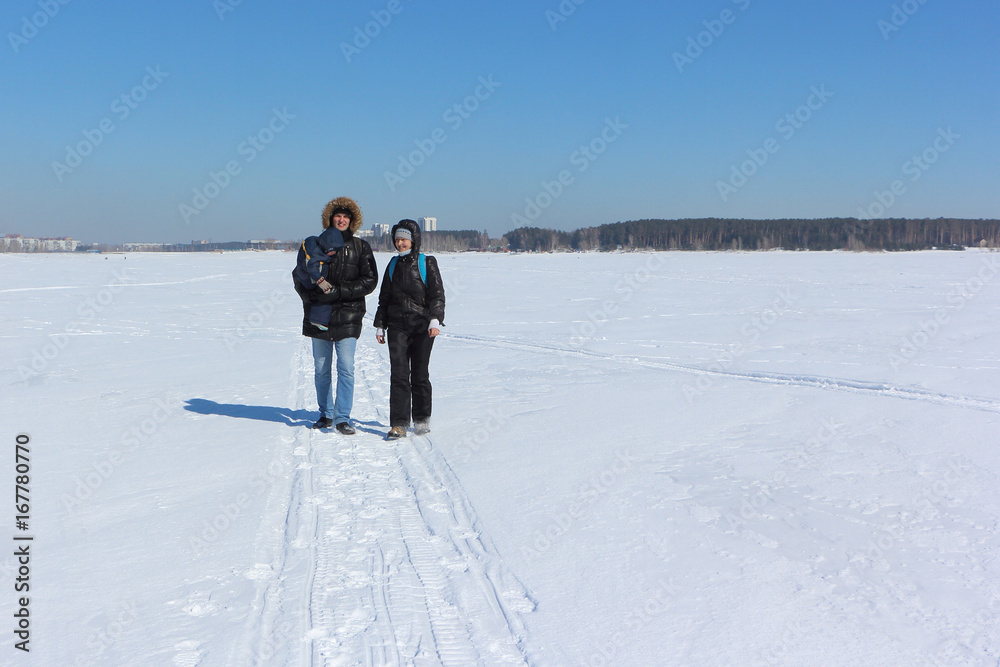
pixel 350 205
pixel 414 231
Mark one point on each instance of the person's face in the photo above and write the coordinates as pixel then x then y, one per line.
pixel 341 221
pixel 402 245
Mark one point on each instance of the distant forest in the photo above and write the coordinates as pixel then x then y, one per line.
pixel 443 241
pixel 791 234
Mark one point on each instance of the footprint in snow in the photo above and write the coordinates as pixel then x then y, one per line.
pixel 372 512
pixel 188 654
pixel 704 514
pixel 454 564
pixel 519 602
pixel 201 608
pixel 259 571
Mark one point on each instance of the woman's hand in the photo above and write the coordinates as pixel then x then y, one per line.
pixel 433 331
pixel 380 336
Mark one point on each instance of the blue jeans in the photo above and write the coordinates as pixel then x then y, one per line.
pixel 323 351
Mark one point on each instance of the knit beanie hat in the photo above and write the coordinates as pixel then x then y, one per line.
pixel 331 239
pixel 403 233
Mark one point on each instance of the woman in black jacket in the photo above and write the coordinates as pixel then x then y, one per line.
pixel 411 311
pixel 353 275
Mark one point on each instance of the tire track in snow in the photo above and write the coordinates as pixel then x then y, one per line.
pixel 271 633
pixel 498 599
pixel 381 558
pixel 814 381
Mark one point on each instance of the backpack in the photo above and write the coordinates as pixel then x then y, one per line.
pixel 421 264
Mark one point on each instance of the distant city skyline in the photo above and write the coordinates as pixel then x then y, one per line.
pixel 118 130
pixel 20 243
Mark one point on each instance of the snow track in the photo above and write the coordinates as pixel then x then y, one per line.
pixel 815 381
pixel 372 554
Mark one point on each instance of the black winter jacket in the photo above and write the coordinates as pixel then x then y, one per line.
pixel 404 301
pixel 354 276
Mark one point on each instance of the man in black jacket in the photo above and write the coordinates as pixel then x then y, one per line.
pixel 353 275
pixel 411 311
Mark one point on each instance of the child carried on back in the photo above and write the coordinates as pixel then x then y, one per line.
pixel 312 263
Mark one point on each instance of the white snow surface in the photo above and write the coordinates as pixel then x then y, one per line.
pixel 636 459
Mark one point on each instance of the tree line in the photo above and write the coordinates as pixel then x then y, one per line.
pixel 788 234
pixel 442 241
pixel 686 234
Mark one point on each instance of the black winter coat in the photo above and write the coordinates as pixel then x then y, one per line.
pixel 405 302
pixel 354 276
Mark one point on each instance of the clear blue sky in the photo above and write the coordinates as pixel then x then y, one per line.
pixel 664 133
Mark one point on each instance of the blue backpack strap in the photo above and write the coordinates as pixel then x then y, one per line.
pixel 421 263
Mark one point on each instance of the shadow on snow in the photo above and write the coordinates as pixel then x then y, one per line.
pixel 269 413
pixel 266 413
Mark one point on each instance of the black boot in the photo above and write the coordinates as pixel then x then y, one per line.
pixel 324 422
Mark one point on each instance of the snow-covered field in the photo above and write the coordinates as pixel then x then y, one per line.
pixel 636 459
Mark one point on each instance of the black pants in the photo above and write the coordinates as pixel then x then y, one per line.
pixel 410 382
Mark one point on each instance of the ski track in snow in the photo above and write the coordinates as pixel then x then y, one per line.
pixel 115 285
pixel 373 555
pixel 815 381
